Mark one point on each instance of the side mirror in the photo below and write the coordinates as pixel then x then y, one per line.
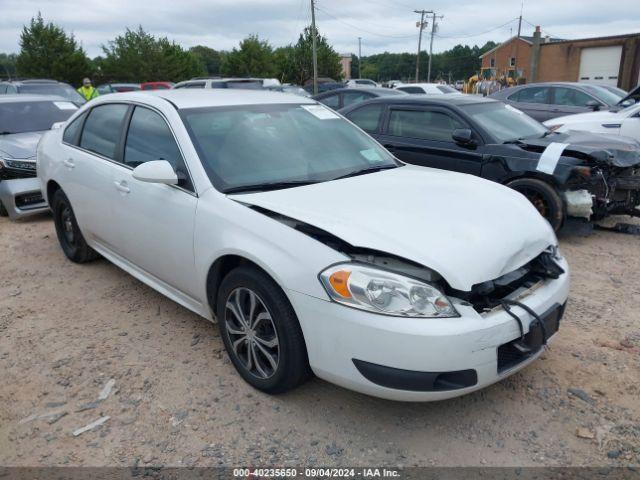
pixel 593 105
pixel 628 102
pixel 156 171
pixel 463 136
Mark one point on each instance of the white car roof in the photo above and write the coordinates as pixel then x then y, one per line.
pixel 186 98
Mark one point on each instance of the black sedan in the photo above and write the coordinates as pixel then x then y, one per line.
pixel 575 174
pixel 344 97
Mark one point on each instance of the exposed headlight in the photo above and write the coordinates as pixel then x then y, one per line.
pixel 20 164
pixel 384 292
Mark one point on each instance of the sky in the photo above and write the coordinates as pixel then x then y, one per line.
pixel 383 25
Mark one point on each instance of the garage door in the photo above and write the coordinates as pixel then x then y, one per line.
pixel 600 65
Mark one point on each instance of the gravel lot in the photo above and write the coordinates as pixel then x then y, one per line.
pixel 66 330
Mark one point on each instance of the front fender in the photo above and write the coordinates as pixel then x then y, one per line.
pixel 227 227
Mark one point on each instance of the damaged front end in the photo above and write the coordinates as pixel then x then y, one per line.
pixel 483 297
pixel 601 190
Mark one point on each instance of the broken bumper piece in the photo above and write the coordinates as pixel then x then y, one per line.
pixel 22 197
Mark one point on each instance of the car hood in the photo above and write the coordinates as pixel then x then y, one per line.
pixel 467 229
pixel 20 145
pixel 599 148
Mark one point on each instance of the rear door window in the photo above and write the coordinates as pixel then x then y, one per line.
pixel 102 129
pixel 423 124
pixel 570 97
pixel 531 95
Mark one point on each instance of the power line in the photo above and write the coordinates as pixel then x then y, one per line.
pixel 359 28
pixel 478 34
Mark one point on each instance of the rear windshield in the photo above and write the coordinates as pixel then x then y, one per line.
pixel 257 85
pixel 57 89
pixel 20 117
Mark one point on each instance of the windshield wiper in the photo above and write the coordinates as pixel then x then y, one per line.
pixel 364 171
pixel 265 187
pixel 515 140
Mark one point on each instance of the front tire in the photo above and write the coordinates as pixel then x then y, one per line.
pixel 261 332
pixel 3 211
pixel 544 198
pixel 71 240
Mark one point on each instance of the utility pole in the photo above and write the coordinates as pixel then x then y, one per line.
pixel 314 34
pixel 515 60
pixel 421 27
pixel 433 31
pixel 359 57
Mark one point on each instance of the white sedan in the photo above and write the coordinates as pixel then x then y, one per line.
pixel 624 122
pixel 314 248
pixel 427 88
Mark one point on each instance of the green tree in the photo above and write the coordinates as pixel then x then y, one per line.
pixel 210 59
pixel 137 56
pixel 254 58
pixel 46 51
pixel 297 66
pixel 8 65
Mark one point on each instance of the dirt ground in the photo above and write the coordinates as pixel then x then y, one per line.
pixel 66 330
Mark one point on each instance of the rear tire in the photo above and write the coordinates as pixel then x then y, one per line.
pixel 71 240
pixel 261 332
pixel 544 198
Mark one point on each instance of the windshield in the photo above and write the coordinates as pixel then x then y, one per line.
pixel 603 94
pixel 57 89
pixel 268 144
pixel 616 91
pixel 20 117
pixel 504 122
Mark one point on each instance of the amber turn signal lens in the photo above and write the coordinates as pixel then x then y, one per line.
pixel 339 281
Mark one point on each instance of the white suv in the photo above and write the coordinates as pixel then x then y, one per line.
pixel 314 248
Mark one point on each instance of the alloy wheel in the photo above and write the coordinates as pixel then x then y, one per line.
pixel 252 333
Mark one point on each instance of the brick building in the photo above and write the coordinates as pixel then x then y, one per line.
pixel 611 60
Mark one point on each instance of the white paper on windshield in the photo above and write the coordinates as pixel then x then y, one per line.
pixel 514 109
pixel 372 155
pixel 550 156
pixel 65 105
pixel 318 111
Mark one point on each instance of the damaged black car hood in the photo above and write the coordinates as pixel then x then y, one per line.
pixel 602 149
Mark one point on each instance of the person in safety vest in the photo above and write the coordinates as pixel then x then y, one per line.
pixel 87 90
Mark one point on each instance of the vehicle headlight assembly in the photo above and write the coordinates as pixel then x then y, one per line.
pixel 384 292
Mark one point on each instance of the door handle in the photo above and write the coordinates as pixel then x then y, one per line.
pixel 69 163
pixel 122 186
